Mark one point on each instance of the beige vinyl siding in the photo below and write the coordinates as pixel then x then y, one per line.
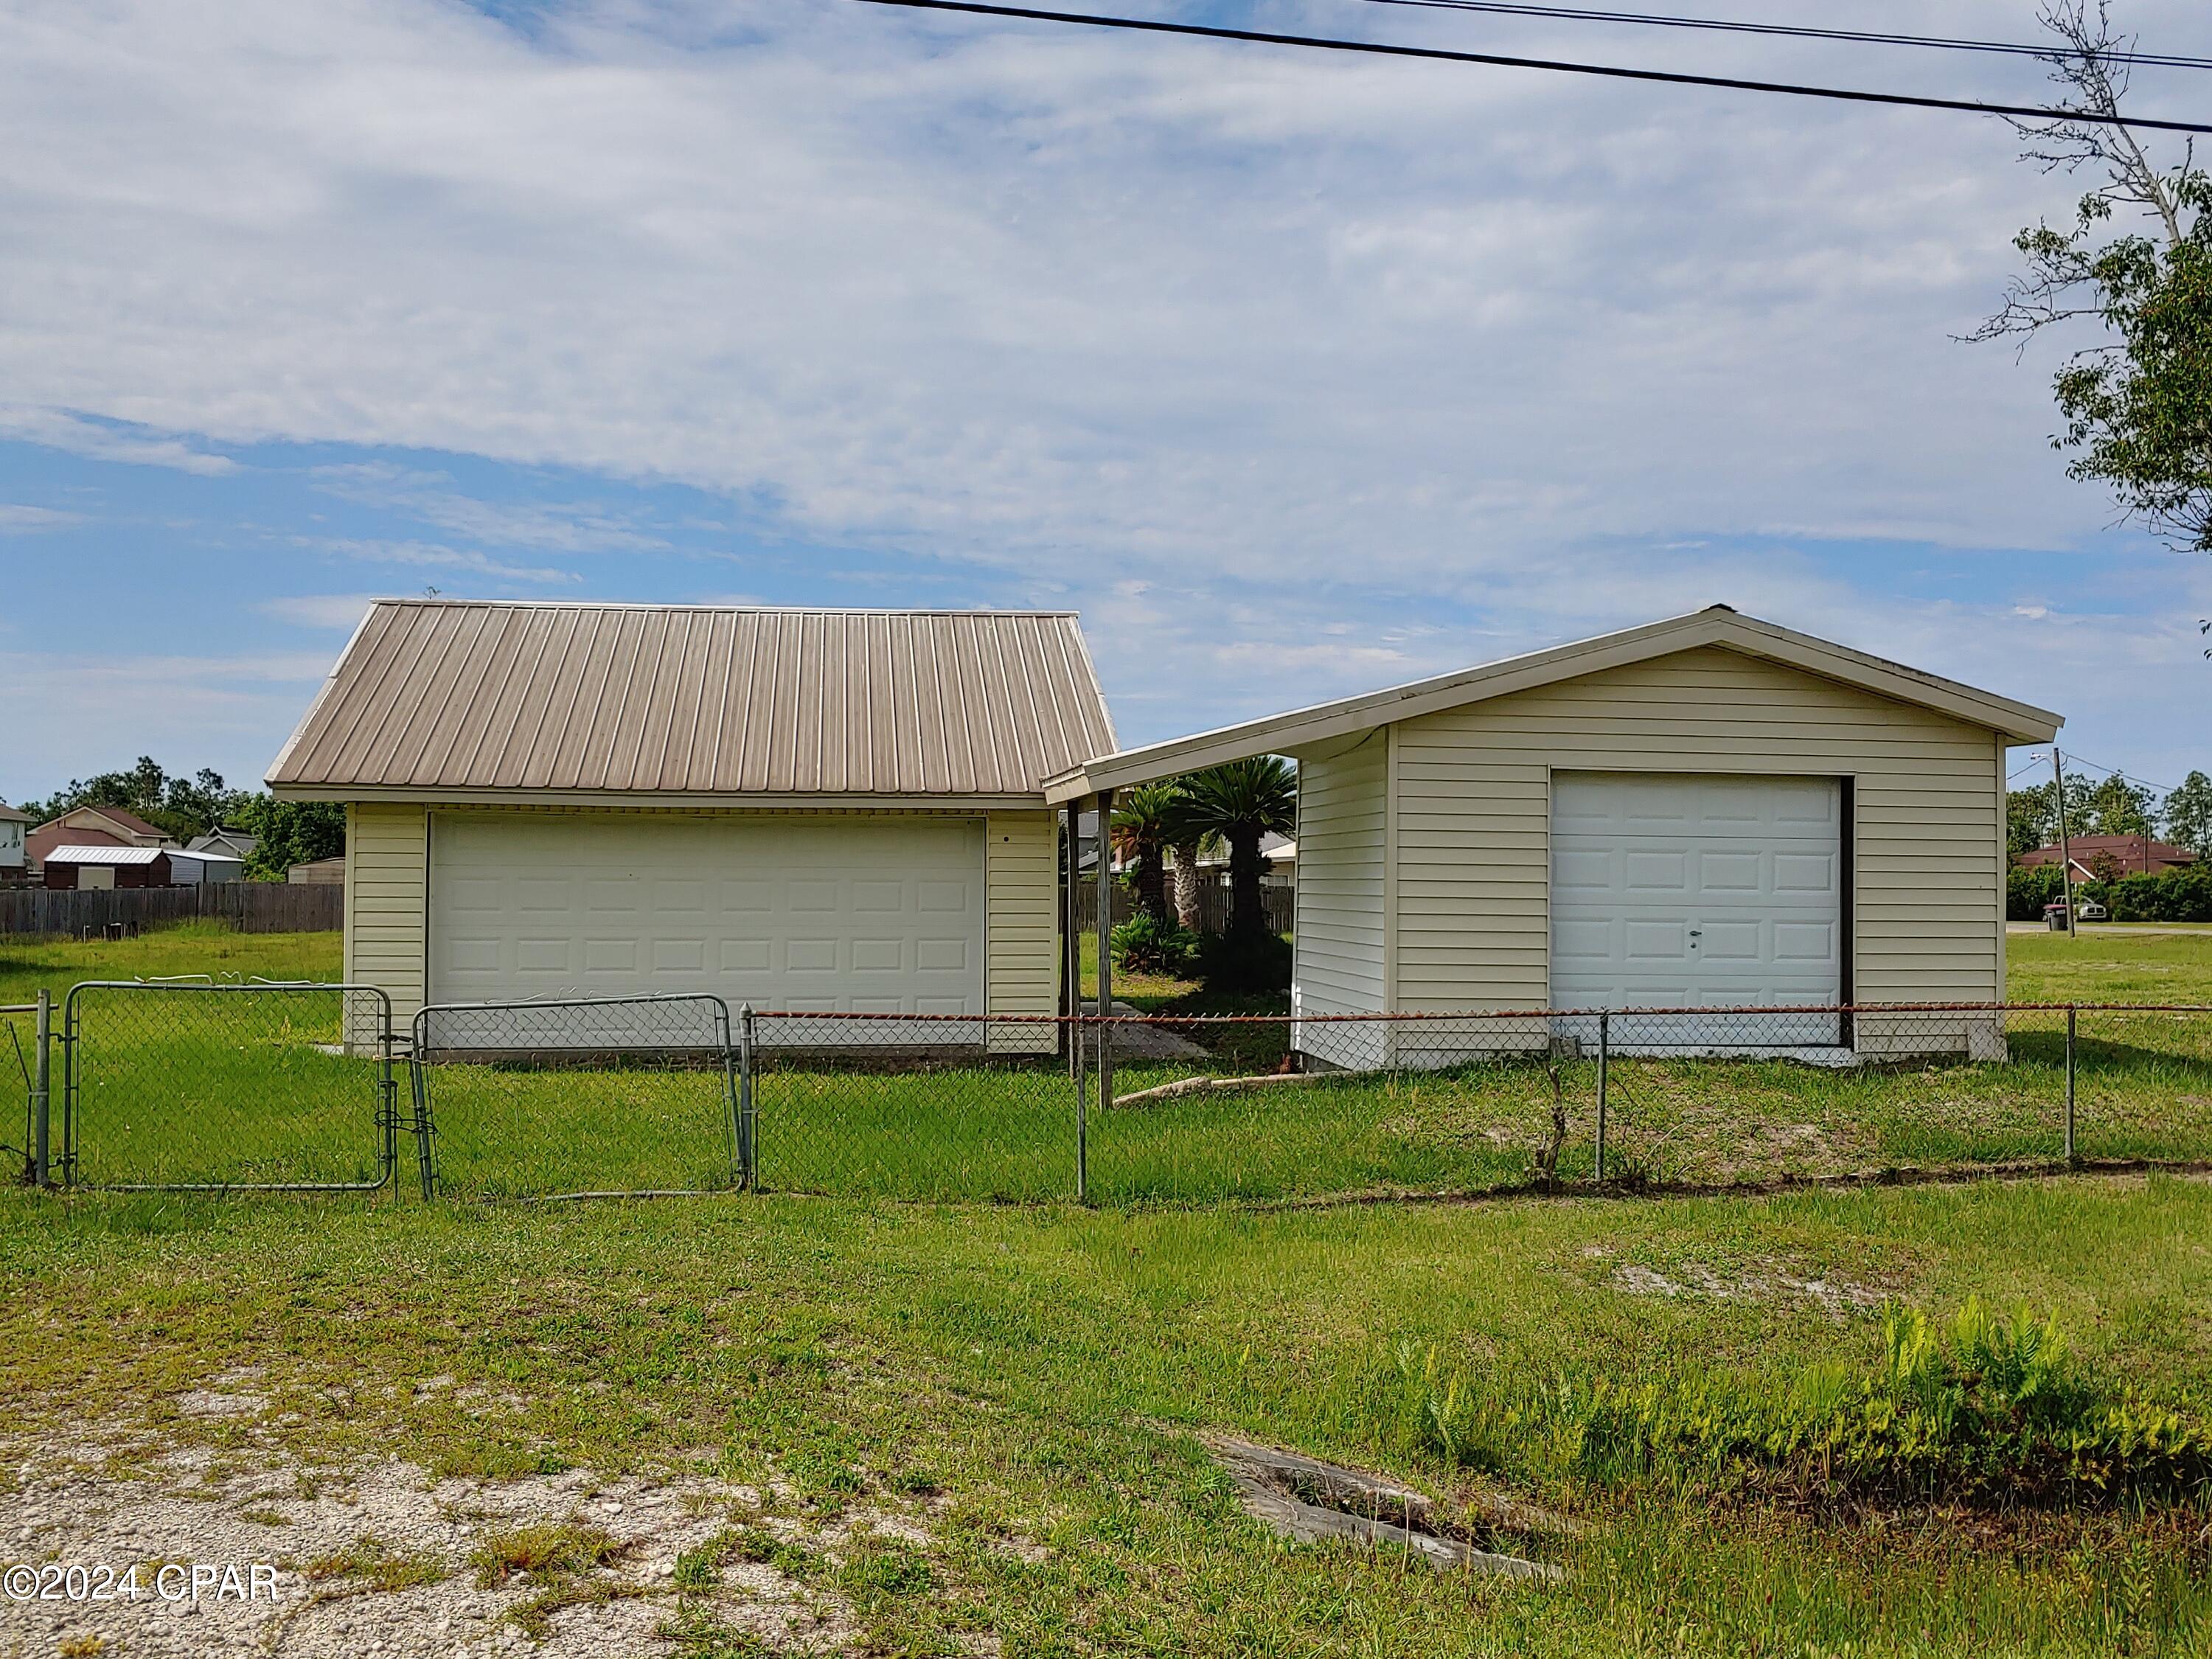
pixel 1342 887
pixel 386 884
pixel 1021 946
pixel 1474 797
pixel 1340 879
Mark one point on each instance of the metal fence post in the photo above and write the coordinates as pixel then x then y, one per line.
pixel 2071 1013
pixel 41 1080
pixel 748 1152
pixel 1604 1056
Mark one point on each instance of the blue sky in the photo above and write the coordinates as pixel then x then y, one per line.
pixel 1295 377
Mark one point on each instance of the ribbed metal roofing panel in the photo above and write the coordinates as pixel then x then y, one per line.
pixel 681 700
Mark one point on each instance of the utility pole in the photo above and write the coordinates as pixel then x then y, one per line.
pixel 2065 848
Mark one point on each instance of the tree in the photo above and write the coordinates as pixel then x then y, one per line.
pixel 2029 821
pixel 290 832
pixel 2188 815
pixel 2117 807
pixel 1144 824
pixel 180 807
pixel 2138 409
pixel 1241 801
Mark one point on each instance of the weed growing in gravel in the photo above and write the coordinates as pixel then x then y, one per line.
pixel 369 1564
pixel 543 1551
pixel 696 1633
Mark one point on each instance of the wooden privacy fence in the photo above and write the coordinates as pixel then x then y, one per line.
pixel 251 907
pixel 1278 902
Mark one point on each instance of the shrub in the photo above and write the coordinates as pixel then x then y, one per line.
pixel 1145 945
pixel 1986 1409
pixel 2182 895
pixel 1250 962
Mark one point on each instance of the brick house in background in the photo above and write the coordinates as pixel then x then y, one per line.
pixel 92 826
pixel 2097 858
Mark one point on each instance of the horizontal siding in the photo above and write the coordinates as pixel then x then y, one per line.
pixel 1021 927
pixel 387 880
pixel 1474 802
pixel 1342 806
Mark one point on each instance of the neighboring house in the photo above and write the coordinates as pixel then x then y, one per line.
pixel 317 872
pixel 13 825
pixel 236 843
pixel 1280 852
pixel 103 867
pixel 1709 810
pixel 93 826
pixel 2124 855
pixel 819 810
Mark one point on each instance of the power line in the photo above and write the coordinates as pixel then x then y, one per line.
pixel 1861 37
pixel 1494 60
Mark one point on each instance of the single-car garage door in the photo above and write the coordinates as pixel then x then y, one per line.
pixel 860 914
pixel 1697 891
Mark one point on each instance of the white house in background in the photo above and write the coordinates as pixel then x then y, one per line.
pixel 14 826
pixel 233 843
pixel 810 810
pixel 1709 810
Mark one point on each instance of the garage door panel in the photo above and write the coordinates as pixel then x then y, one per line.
pixel 1696 891
pixel 825 915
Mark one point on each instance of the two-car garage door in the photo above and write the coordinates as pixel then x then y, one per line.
pixel 1682 891
pixel 860 914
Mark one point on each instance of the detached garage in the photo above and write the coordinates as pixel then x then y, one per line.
pixel 1709 811
pixel 800 810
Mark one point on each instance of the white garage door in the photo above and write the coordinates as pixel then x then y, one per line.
pixel 868 915
pixel 1697 891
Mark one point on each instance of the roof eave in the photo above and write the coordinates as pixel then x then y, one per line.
pixel 490 796
pixel 1306 727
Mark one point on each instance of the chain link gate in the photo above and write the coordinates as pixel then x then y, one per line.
pixel 208 1087
pixel 581 1098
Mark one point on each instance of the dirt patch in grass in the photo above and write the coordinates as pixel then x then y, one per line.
pixel 389 1561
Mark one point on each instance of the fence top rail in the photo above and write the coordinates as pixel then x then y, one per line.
pixel 1409 1017
pixel 200 984
pixel 520 1003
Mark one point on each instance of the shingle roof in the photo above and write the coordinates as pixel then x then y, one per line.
pixel 466 694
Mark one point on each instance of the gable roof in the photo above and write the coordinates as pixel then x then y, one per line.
pixel 470 699
pixel 86 854
pixel 128 823
pixel 1717 625
pixel 13 814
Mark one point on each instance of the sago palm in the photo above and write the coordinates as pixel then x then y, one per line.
pixel 1240 801
pixel 1144 825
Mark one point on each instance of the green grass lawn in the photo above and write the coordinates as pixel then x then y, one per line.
pixel 1045 1366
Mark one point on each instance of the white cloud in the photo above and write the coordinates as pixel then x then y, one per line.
pixel 56 428
pixel 432 497
pixel 1339 344
pixel 341 611
pixel 434 556
pixel 215 711
pixel 17 520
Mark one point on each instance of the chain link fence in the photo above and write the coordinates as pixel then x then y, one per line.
pixel 933 1107
pixel 291 1087
pixel 603 1096
pixel 198 1086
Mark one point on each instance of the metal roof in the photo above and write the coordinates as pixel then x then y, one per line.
pixel 690 700
pixel 112 855
pixel 1716 625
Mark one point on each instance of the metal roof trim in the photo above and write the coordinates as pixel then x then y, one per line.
pixel 1716 625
